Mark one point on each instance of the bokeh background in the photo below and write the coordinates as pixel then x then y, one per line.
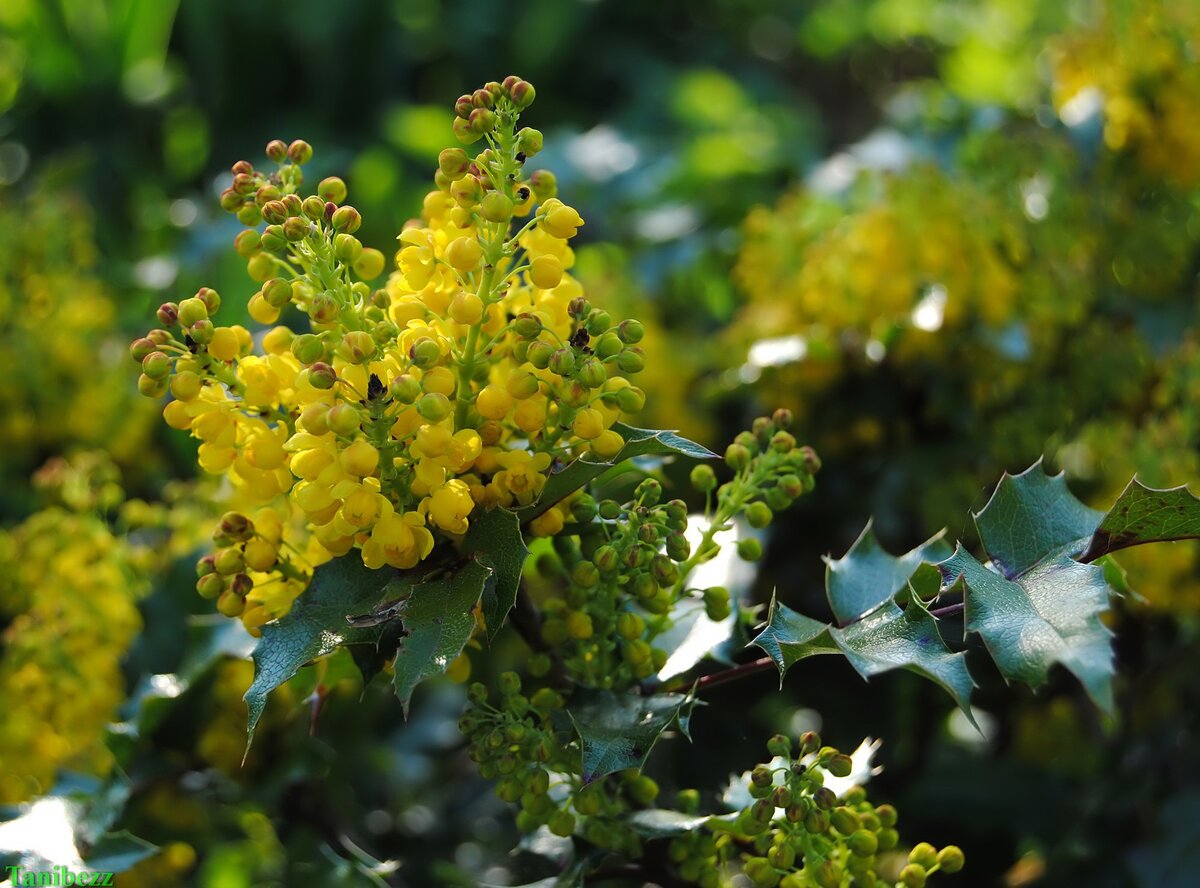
pixel 953 237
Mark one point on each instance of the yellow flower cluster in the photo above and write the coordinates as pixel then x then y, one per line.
pixel 68 595
pixel 1138 64
pixel 456 385
pixel 57 321
pixel 808 265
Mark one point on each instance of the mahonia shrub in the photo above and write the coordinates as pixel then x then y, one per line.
pixel 947 312
pixel 417 463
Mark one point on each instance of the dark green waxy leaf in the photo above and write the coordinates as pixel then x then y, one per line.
pixel 617 731
pixel 638 442
pixel 886 638
pixel 439 619
pixel 370 658
pixel 867 575
pixel 1049 614
pixel 1145 515
pixel 316 624
pixel 118 852
pixel 1031 516
pixel 663 823
pixel 495 538
pixel 69 828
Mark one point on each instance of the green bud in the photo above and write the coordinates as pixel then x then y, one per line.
pixel 544 184
pixel 347 248
pixel 737 456
pixel 840 765
pixel 529 141
pixel 562 362
pixel 749 549
pixel 496 207
pixel 156 365
pixel 913 876
pixel 951 859
pixel 299 152
pixel 631 399
pixel 863 843
pixel 825 798
pixel 453 163
pixel 277 292
pixel 562 823
pixel 210 585
pixel 631 331
pixel 307 348
pixel 922 854
pixel 759 514
pixel 632 360
pixel 888 839
pixel 527 326
pixel 844 820
pixel 607 345
pixel 321 376
pixel 433 406
pixel 425 353
pixel 887 815
pixel 332 189
pixel 247 243
pixel 593 375
pixel 192 310
pixel 816 821
pixel 346 219
pixel 249 214
pixel 779 745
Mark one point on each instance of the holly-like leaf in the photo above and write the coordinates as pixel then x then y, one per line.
pixel 867 575
pixel 1048 614
pixel 663 823
pixel 494 538
pixel 1031 516
pixel 886 638
pixel 439 618
pixel 617 731
pixel 370 658
pixel 638 442
pixel 1145 515
pixel 317 624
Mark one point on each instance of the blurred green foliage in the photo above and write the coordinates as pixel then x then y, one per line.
pixel 953 236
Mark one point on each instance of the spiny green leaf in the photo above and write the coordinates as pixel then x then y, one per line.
pixel 316 624
pixel 495 539
pixel 1049 614
pixel 1145 515
pixel 866 576
pixel 617 731
pixel 1031 516
pixel 638 442
pixel 663 823
pixel 370 658
pixel 886 638
pixel 439 617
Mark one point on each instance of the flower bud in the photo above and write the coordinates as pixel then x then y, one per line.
pixel 210 585
pixel 546 271
pixel 737 457
pixel 562 361
pixel 406 388
pixel 357 346
pixel 347 248
pixel 332 189
pixel 779 745
pixel 168 314
pixel 453 162
pixel 913 876
pixel 527 326
pixel 840 765
pixel 369 265
pixel 464 253
pixel 433 406
pixel 544 185
pixel 321 376
pixel 156 365
pixel 759 515
pixel 299 152
pixel 522 94
pixel 631 360
pixel 631 331
pixel 631 399
pixel 482 120
pixel 425 353
pixel 297 228
pixel 192 310
pixel 496 207
pixel 464 133
pixel 951 859
pixel 346 219
pixel 529 142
